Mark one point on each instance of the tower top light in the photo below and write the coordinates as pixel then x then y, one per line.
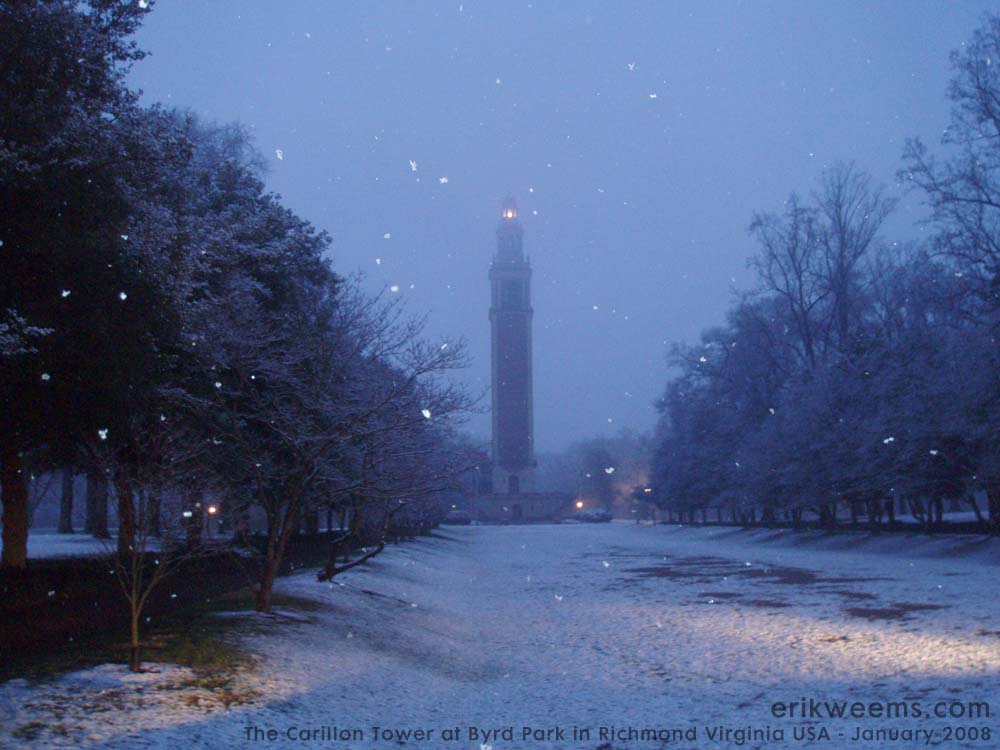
pixel 508 209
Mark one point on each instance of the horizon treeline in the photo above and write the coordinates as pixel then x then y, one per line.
pixel 860 374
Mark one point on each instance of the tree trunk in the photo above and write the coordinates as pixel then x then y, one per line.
pixel 938 509
pixel 874 516
pixel 126 516
pixel 97 505
pixel 267 576
pixel 153 513
pixel 975 509
pixel 890 511
pixel 66 502
pixel 993 501
pixel 192 525
pixel 15 509
pixel 277 541
pixel 135 647
pixel 311 521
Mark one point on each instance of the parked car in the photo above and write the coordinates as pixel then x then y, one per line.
pixel 592 515
pixel 457 518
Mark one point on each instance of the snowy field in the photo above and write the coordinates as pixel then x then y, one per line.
pixel 49 543
pixel 575 625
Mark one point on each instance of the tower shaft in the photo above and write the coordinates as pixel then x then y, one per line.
pixel 510 325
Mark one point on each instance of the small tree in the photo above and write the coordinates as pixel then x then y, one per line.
pixel 162 459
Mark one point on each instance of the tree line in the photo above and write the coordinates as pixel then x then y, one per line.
pixel 171 329
pixel 860 375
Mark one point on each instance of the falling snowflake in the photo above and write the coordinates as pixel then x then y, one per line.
pixel 558 598
pixel 102 434
pixel 413 166
pixel 934 451
pixel 631 66
pixel 378 261
pixel 426 413
pixel 702 359
pixel 125 237
pixel 606 563
pixel 279 153
pixel 652 96
pixel 143 4
pixel 387 236
pixel 46 377
pixel 889 440
pixel 609 470
pixel 218 384
pixel 66 293
pixel 394 288
pixel 443 180
pixel 771 410
pixel 122 296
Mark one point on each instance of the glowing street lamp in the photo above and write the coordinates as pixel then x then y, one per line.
pixel 579 504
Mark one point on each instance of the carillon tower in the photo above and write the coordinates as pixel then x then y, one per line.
pixel 510 324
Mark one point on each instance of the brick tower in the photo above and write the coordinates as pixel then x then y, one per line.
pixel 510 324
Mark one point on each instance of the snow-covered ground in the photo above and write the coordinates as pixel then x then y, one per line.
pixel 48 543
pixel 575 625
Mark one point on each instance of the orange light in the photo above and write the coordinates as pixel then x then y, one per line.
pixel 579 504
pixel 212 510
pixel 509 213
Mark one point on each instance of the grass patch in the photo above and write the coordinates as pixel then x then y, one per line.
pixel 190 637
pixel 30 731
pixel 244 599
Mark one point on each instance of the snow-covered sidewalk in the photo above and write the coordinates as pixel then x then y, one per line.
pixel 583 626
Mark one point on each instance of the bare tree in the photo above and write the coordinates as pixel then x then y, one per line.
pixel 162 458
pixel 963 187
pixel 789 264
pixel 852 212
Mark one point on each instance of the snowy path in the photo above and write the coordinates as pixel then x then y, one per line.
pixel 543 626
